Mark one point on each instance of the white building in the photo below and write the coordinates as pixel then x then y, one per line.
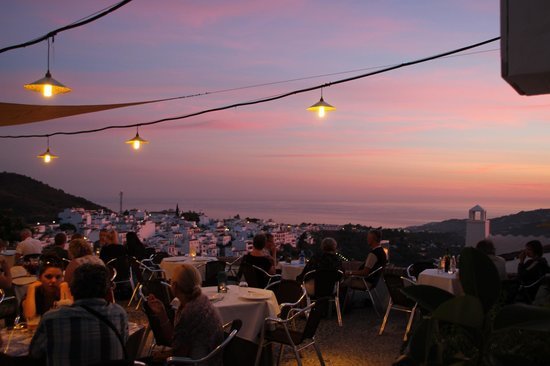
pixel 477 226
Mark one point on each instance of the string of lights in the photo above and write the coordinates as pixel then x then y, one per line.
pixel 260 100
pixel 83 21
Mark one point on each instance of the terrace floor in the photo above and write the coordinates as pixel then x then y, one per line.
pixel 355 343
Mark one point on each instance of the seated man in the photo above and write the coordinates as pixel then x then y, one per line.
pixel 375 260
pixel 27 245
pixel 80 334
pixel 57 249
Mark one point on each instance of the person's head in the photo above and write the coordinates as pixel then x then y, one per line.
pixel 90 281
pixel 79 248
pixel 486 246
pixel 534 249
pixel 186 282
pixel 50 273
pixel 259 241
pixel 60 239
pixel 77 236
pixel 25 233
pixel 269 241
pixel 113 237
pixel 103 236
pixel 374 237
pixel 328 245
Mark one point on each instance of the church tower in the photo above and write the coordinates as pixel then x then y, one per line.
pixel 477 226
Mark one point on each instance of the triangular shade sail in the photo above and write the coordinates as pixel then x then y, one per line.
pixel 18 114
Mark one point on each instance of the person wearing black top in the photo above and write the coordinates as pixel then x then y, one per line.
pixel 134 246
pixel 327 260
pixel 257 258
pixel 375 260
pixel 57 249
pixel 532 269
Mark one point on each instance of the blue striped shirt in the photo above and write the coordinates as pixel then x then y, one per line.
pixel 70 336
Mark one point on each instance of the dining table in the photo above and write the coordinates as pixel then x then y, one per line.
pixel 289 271
pixel 168 264
pixel 251 305
pixel 17 341
pixel 9 256
pixel 449 282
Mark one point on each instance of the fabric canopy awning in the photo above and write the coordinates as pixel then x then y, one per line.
pixel 18 114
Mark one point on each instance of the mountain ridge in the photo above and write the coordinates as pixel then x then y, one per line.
pixel 34 201
pixel 534 222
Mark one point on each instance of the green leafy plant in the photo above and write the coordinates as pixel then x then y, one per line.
pixel 469 329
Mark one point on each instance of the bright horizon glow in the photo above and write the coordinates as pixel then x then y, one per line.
pixel 419 144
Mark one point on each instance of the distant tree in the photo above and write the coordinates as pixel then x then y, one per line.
pixel 126 213
pixel 237 217
pixel 67 227
pixel 177 210
pixel 191 216
pixel 11 226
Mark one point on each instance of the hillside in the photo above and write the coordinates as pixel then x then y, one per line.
pixel 536 222
pixel 21 196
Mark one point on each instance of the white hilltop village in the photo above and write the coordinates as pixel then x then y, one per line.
pixel 166 231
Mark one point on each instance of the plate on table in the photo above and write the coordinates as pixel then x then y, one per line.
pixel 251 294
pixel 216 297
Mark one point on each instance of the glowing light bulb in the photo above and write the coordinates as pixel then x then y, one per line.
pixel 48 90
pixel 136 144
pixel 321 112
pixel 47 158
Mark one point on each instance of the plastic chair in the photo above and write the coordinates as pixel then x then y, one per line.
pixel 257 277
pixel 235 327
pixel 154 325
pixel 297 340
pixel 124 271
pixel 327 284
pixel 367 286
pixel 414 270
pixel 398 301
pixel 289 295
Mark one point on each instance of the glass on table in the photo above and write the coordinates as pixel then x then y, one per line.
pixel 32 323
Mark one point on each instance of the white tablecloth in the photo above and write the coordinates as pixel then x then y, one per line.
pixel 168 264
pixel 289 271
pixel 251 312
pixel 443 280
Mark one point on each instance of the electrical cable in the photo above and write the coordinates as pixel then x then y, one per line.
pixel 262 100
pixel 78 23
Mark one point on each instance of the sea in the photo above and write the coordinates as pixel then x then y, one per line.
pixel 375 214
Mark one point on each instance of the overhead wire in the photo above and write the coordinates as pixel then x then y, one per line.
pixel 262 100
pixel 83 21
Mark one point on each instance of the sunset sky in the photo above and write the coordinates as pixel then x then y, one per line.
pixel 418 144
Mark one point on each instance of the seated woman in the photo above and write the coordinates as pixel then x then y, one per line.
pixel 134 246
pixel 198 326
pixel 327 260
pixel 257 255
pixel 532 269
pixel 43 294
pixel 80 252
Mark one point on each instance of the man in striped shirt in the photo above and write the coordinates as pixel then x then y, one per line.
pixel 79 334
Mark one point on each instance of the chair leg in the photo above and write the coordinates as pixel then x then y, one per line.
pixel 386 316
pixel 280 358
pixel 297 355
pixel 338 311
pixel 319 355
pixel 409 323
pixel 134 294
pixel 374 303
